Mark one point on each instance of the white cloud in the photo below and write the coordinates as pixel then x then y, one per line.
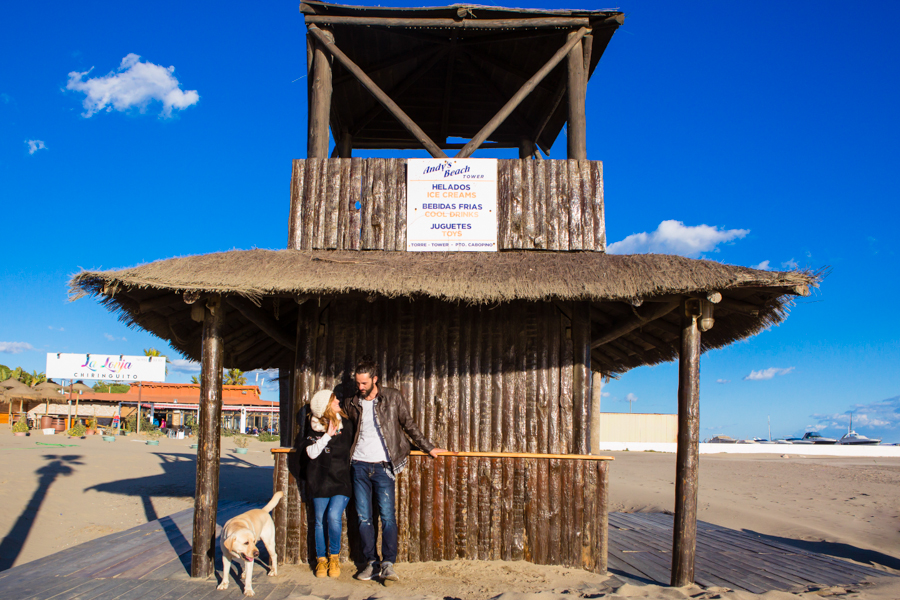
pixel 630 397
pixel 674 237
pixel 767 373
pixel 790 264
pixel 723 381
pixel 880 414
pixel 183 366
pixel 113 338
pixel 51 327
pixel 134 84
pixel 15 347
pixel 604 394
pixel 763 266
pixel 35 145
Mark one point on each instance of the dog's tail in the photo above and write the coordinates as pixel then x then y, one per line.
pixel 273 502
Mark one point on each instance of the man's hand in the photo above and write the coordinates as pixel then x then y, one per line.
pixel 435 451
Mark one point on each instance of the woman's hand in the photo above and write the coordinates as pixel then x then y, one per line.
pixel 332 428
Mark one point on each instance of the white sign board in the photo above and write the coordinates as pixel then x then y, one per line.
pixel 111 367
pixel 451 205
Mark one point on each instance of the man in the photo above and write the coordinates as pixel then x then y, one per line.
pixel 379 452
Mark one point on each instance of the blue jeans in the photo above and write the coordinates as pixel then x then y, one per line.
pixel 334 507
pixel 371 482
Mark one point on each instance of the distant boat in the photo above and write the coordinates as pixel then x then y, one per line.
pixel 762 441
pixel 851 438
pixel 815 438
pixel 722 439
pixel 796 440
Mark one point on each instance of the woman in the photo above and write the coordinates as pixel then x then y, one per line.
pixel 327 448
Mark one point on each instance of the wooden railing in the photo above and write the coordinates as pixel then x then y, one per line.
pixel 544 508
pixel 360 204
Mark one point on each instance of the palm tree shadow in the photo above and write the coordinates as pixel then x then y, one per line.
pixel 836 549
pixel 11 545
pixel 239 481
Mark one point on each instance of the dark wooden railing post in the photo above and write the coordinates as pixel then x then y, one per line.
pixel 577 126
pixel 687 467
pixel 206 498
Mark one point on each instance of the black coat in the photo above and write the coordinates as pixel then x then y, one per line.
pixel 328 474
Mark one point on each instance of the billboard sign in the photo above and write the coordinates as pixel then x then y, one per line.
pixel 451 205
pixel 110 367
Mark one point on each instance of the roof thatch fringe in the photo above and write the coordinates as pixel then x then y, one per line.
pixel 476 277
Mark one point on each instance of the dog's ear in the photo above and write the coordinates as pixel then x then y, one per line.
pixel 229 544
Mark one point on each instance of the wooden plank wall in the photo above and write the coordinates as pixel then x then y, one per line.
pixel 551 511
pixel 360 204
pixel 476 379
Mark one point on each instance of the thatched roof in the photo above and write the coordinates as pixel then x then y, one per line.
pixel 150 296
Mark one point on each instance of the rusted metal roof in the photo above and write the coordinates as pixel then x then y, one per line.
pixel 452 68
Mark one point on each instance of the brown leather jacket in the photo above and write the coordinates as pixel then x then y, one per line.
pixel 393 418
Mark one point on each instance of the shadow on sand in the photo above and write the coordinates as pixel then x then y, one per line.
pixel 836 549
pixel 11 545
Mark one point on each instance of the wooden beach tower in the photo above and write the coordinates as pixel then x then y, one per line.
pixel 496 352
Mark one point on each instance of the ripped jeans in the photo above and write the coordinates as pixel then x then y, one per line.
pixel 372 485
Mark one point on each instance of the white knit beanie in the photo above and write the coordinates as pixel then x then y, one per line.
pixel 319 403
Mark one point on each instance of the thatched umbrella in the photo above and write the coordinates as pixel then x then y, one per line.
pixel 79 386
pixel 16 389
pixel 49 385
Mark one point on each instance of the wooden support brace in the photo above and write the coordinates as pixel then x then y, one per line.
pixel 379 94
pixel 523 92
pixel 262 320
pixel 630 324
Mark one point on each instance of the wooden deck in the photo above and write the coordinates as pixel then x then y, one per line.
pixel 152 562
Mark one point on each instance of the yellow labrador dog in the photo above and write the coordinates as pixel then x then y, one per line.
pixel 238 541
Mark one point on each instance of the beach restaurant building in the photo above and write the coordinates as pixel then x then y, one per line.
pixel 496 352
pixel 242 407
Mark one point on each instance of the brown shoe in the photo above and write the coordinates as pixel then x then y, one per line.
pixel 322 567
pixel 334 565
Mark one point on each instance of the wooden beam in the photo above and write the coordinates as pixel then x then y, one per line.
pixel 320 99
pixel 345 145
pixel 304 367
pixel 154 304
pixel 576 135
pixel 399 89
pixel 533 23
pixel 523 92
pixel 687 461
pixel 206 495
pixel 408 55
pixel 741 306
pixel 379 94
pixel 262 319
pixel 637 320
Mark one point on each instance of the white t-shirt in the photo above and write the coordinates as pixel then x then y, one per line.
pixel 369 447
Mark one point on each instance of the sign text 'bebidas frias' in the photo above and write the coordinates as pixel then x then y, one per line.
pixel 451 205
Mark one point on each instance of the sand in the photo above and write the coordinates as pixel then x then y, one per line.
pixel 55 497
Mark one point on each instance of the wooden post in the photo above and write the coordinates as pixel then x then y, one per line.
pixel 687 463
pixel 206 497
pixel 345 145
pixel 286 407
pixel 596 398
pixel 319 100
pixel 577 125
pixel 581 377
pixel 526 148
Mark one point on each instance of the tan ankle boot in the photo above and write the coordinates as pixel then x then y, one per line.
pixel 322 567
pixel 334 565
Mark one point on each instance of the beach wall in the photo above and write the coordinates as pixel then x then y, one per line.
pixel 798 450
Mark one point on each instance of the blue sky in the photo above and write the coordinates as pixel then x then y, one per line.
pixel 728 132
